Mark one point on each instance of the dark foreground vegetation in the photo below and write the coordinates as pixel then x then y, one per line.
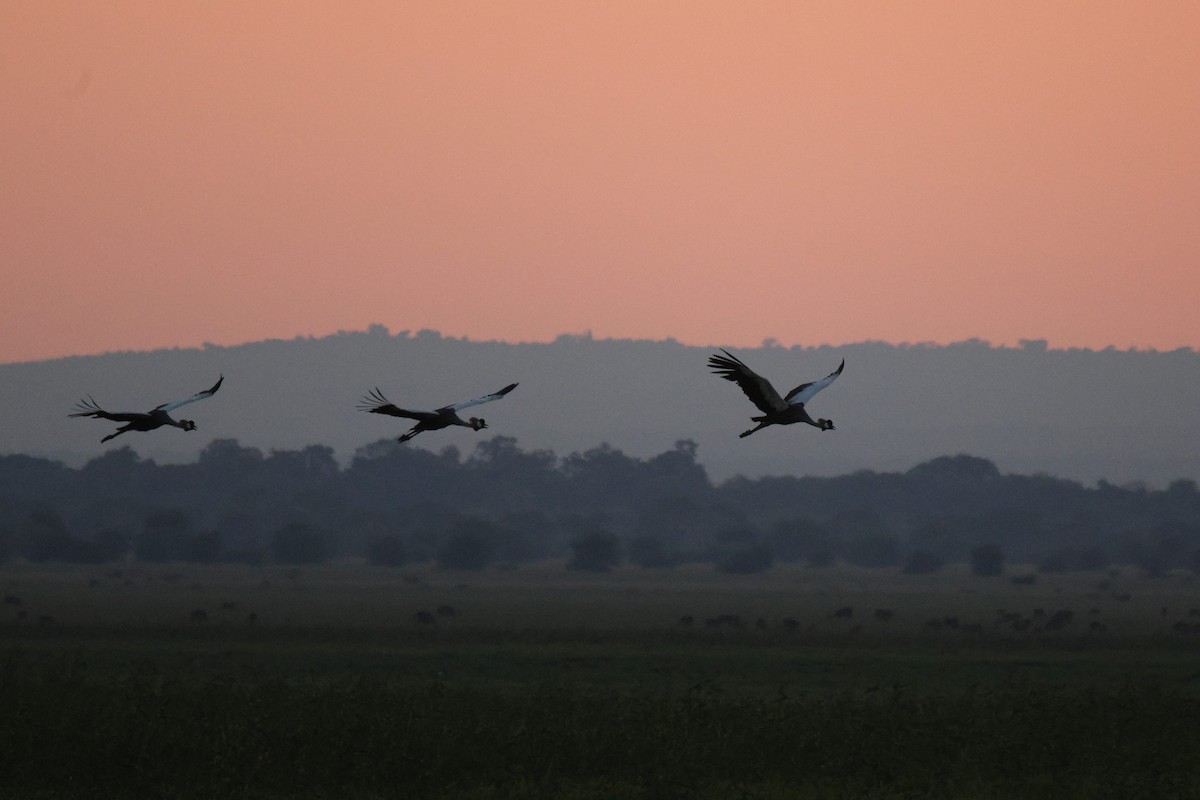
pixel 397 505
pixel 513 624
pixel 544 683
pixel 146 735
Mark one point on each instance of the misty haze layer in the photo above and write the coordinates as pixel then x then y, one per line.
pixel 1086 415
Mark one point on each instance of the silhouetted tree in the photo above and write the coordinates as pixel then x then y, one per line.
pixel 873 550
pixel 922 562
pixel 312 465
pixel 46 537
pixel 941 536
pixel 820 558
pixel 386 551
pixel 649 552
pixel 595 552
pixel 747 560
pixel 251 556
pixel 604 472
pixel 7 544
pixel 1067 559
pixel 164 537
pixel 987 560
pixel 112 545
pixel 1055 562
pixel 204 547
pixel 538 505
pixel 108 545
pixel 299 543
pixel 117 471
pixel 509 477
pixel 733 536
pixel 800 539
pixel 676 472
pixel 470 545
pixel 224 464
pixel 1092 559
pixel 528 536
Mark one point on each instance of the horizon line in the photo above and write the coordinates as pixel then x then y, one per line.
pixel 767 343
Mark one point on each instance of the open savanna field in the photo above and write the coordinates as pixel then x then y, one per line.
pixel 354 681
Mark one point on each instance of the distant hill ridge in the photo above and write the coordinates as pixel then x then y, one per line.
pixel 1118 415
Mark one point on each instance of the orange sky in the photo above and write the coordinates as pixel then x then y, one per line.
pixel 179 173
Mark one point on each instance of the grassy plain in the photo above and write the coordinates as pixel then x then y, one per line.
pixel 321 682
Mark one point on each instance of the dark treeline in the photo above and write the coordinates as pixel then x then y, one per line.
pixel 597 509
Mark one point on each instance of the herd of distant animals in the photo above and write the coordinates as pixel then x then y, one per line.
pixel 775 410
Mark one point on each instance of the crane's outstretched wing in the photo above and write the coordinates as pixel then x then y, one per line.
pixel 89 408
pixel 169 407
pixel 376 403
pixel 805 391
pixel 757 388
pixel 487 398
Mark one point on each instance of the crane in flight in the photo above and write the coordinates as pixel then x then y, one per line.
pixel 444 417
pixel 157 417
pixel 776 410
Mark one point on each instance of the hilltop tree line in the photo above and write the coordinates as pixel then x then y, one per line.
pixel 394 505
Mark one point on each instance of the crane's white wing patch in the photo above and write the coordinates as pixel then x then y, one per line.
pixel 487 398
pixel 169 407
pixel 805 391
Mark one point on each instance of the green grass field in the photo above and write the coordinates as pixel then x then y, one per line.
pixel 321 682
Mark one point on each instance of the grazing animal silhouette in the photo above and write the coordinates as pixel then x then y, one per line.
pixel 776 410
pixel 444 417
pixel 147 421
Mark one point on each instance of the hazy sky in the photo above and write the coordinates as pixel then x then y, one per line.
pixel 826 172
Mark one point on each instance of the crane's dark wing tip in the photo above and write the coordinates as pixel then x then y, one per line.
pixel 728 367
pixel 382 408
pixel 375 403
pixel 372 401
pixel 86 408
pixel 379 410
